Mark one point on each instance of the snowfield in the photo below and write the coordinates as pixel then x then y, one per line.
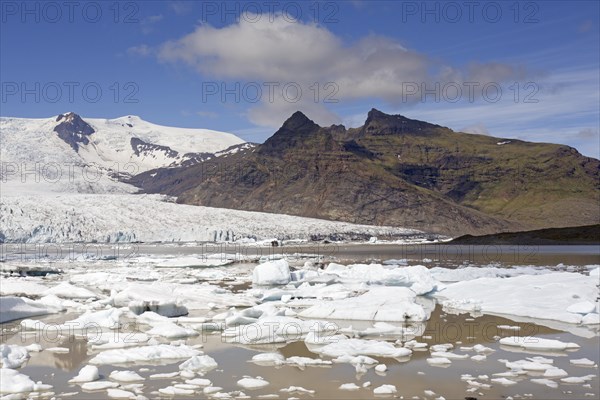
pixel 150 218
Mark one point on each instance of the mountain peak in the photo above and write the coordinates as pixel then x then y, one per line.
pixel 298 120
pixel 68 117
pixel 73 130
pixel 375 113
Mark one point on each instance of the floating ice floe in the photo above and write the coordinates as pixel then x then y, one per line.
pixel 12 308
pixel 171 330
pixel 418 278
pixel 22 287
pixel 68 291
pixel 120 394
pixel 252 383
pixel 168 299
pixel 164 353
pixel 176 391
pixel 98 385
pixel 125 376
pixel 273 329
pixel 297 389
pixel 271 273
pixel 535 343
pixel 393 304
pixel 583 362
pixel 357 347
pixel 504 381
pixel 349 386
pixel 385 389
pixel 11 381
pixel 199 363
pixel 468 273
pixel 546 382
pixel 546 296
pixel 578 379
pixel 116 340
pixel 200 382
pixel 439 361
pixel 13 356
pixel 162 307
pixel 89 373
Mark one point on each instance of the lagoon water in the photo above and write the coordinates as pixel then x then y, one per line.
pixel 413 377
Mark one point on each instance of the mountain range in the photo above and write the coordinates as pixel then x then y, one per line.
pixel 395 171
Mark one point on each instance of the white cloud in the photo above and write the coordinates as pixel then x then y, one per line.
pixel 259 48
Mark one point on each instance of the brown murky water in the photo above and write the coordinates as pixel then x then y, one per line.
pixel 412 377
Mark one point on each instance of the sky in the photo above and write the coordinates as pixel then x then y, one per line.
pixel 528 70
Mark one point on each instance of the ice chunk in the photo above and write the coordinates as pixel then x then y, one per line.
pixel 356 347
pixel 199 382
pixel 381 368
pixel 583 362
pixel 546 382
pixel 271 273
pixel 449 355
pixel 199 363
pixel 167 308
pixel 534 343
pixel 171 330
pixel 503 381
pixel 125 376
pixel 13 356
pixel 21 286
pixel 276 329
pixel 12 308
pixel 348 386
pixel 555 373
pixel 578 379
pixel 176 391
pixel 116 340
pixel 546 296
pixel 268 359
pixel 120 394
pixel 438 361
pixel 99 385
pixel 11 381
pixel 417 277
pixel 145 354
pixel 252 383
pixel 393 304
pixel 67 291
pixel 89 373
pixel 106 319
pixel 297 389
pixel 385 389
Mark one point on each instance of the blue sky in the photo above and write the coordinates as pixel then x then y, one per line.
pixel 528 70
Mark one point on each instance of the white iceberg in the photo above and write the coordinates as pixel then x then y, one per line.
pixel 271 273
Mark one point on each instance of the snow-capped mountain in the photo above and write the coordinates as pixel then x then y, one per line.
pixel 67 153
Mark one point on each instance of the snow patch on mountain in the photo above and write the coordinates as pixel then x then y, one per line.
pixel 68 154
